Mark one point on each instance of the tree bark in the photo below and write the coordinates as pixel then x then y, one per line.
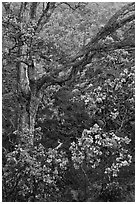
pixel 27 118
pixel 33 108
pixel 29 99
pixel 30 84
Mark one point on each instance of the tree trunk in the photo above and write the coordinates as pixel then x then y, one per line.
pixel 34 104
pixel 29 99
pixel 27 117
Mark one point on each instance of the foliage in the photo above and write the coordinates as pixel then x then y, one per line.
pixel 85 128
pixel 96 145
pixel 104 115
pixel 112 192
pixel 31 174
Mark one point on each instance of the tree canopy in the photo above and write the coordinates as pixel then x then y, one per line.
pixel 68 101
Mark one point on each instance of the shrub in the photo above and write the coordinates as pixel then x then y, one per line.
pixel 31 174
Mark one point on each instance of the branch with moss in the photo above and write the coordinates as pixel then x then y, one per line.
pixel 45 16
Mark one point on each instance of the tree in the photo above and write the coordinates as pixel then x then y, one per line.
pixel 26 21
pixel 85 100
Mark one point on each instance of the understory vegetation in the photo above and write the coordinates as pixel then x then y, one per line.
pixel 68 102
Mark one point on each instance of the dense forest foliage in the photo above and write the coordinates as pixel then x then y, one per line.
pixel 68 95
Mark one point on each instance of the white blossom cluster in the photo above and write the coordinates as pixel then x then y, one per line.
pixel 96 146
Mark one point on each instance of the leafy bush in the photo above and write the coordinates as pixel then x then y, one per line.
pixel 112 192
pixel 85 124
pixel 96 146
pixel 31 174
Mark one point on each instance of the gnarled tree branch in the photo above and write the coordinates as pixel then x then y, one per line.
pixel 70 6
pixel 33 9
pixel 93 47
pixel 46 14
pixel 7 7
pixel 112 25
